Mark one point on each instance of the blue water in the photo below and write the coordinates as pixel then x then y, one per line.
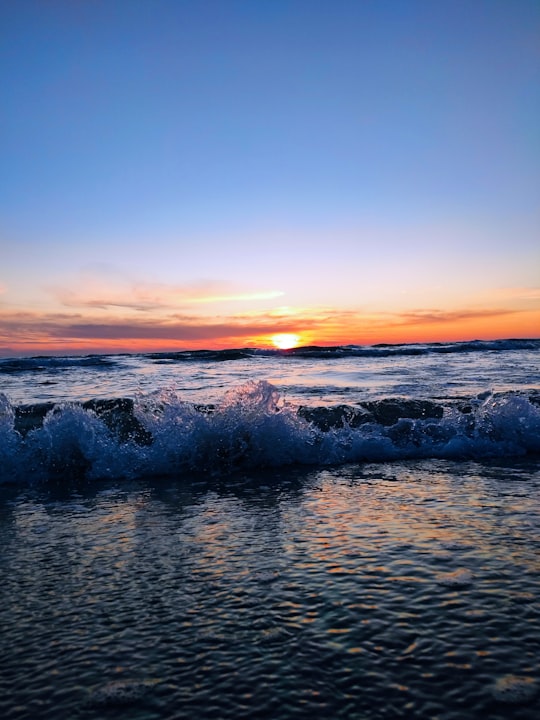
pixel 347 533
pixel 219 411
pixel 313 375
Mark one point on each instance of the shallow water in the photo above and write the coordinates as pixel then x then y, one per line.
pixel 370 591
pixel 320 376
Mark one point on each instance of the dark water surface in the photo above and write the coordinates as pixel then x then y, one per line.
pixel 396 590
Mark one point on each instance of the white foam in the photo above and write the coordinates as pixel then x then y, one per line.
pixel 250 428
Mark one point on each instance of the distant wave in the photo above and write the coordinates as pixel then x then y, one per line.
pixel 342 351
pixel 41 363
pixel 252 428
pixel 386 350
pixel 106 362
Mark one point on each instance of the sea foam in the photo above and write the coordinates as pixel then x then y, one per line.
pixel 252 427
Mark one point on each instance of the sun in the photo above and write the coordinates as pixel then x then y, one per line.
pixel 285 341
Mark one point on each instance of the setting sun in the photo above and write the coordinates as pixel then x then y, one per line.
pixel 285 341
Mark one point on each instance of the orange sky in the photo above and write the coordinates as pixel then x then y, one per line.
pixel 38 332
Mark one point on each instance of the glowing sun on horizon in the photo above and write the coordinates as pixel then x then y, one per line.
pixel 285 341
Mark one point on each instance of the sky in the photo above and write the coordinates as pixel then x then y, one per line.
pixel 179 174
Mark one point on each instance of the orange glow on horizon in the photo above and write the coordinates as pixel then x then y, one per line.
pixel 324 328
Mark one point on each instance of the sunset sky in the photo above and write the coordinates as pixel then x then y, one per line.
pixel 208 173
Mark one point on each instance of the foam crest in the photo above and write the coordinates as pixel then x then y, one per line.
pixel 252 427
pixel 248 429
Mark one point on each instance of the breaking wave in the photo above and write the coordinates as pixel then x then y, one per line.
pixel 253 427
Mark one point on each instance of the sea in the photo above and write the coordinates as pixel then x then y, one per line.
pixel 322 532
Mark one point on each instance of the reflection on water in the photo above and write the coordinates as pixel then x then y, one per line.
pixel 387 591
pixel 301 380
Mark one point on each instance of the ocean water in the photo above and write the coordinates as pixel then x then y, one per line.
pixel 347 532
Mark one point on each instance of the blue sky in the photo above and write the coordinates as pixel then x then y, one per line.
pixel 336 157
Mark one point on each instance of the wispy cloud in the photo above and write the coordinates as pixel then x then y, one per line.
pixel 169 331
pixel 25 326
pixel 238 297
pixel 96 291
pixel 438 317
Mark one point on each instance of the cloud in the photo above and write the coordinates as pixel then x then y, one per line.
pixel 426 317
pixel 172 331
pixel 29 326
pixel 104 292
pixel 239 297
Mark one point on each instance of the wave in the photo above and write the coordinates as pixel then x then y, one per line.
pixel 387 350
pixel 251 428
pixel 343 351
pixel 382 350
pixel 40 363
